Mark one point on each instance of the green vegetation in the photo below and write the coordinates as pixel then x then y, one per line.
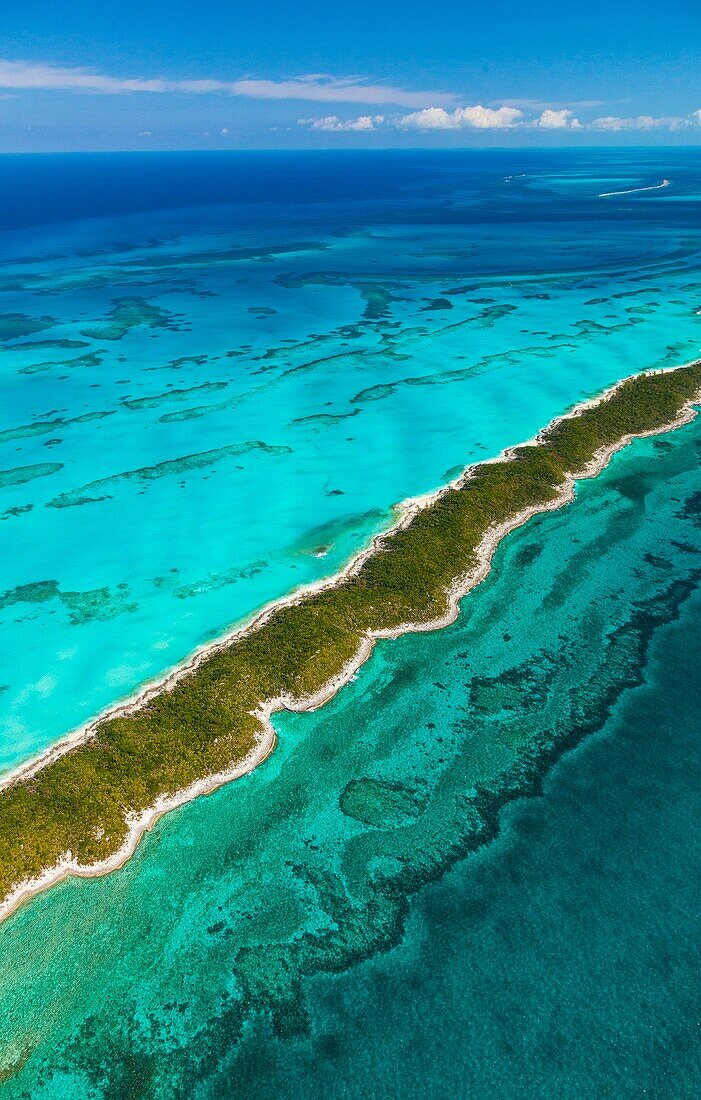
pixel 78 803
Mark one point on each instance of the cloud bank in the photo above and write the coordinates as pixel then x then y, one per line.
pixel 333 124
pixel 502 118
pixel 427 110
pixel 316 87
pixel 475 118
pixel 645 122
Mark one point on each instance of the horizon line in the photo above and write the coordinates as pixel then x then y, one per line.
pixel 350 149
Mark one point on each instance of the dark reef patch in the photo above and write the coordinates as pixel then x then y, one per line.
pixel 22 474
pixel 103 488
pixel 43 427
pixel 92 359
pixel 154 400
pixel 326 419
pixel 129 313
pixel 380 803
pixel 19 510
pixel 195 412
pixel 13 326
pixel 691 509
pixel 215 581
pixel 524 687
pixel 100 604
pixel 56 344
pixel 436 304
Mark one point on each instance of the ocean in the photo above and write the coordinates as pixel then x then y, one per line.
pixel 474 872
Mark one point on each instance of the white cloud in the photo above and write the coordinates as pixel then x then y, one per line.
pixel 540 105
pixel 316 87
pixel 334 124
pixel 334 90
pixel 431 118
pixel 365 122
pixel 476 118
pixel 21 74
pixel 642 122
pixel 429 110
pixel 499 118
pixel 557 120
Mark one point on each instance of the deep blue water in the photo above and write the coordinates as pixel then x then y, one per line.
pixel 38 189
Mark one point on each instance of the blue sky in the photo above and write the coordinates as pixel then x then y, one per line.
pixel 349 73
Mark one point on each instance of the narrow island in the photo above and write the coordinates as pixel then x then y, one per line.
pixel 82 807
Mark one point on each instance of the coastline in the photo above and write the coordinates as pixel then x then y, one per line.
pixel 405 511
pixel 140 823
pixel 465 584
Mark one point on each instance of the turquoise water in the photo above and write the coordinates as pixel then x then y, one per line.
pixel 324 926
pixel 207 405
pixel 475 872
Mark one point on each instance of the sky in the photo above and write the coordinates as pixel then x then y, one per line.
pixel 223 74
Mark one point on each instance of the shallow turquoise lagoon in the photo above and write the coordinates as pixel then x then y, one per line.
pixel 210 402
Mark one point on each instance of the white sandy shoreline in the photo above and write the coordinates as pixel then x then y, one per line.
pixel 138 825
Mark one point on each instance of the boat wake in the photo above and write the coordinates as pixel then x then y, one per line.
pixel 635 190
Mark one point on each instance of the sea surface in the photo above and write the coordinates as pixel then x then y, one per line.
pixel 476 871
